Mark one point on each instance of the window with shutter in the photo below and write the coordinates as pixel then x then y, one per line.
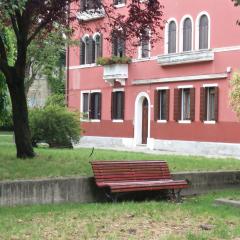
pixel 162 104
pixel 85 105
pixel 209 104
pixel 177 104
pixel 187 35
pixel 172 37
pixel 118 105
pixel 185 104
pixel 95 106
pixel 203 32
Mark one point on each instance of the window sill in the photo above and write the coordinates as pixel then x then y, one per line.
pixel 84 120
pixel 88 65
pixel 120 5
pixel 95 120
pixel 161 121
pixel 209 122
pixel 184 121
pixel 117 120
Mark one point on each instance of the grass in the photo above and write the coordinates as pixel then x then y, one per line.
pixel 124 221
pixel 65 162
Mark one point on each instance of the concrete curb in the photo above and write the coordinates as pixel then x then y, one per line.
pixel 83 189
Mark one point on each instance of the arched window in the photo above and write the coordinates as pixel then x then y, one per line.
pixel 86 50
pixel 203 32
pixel 172 37
pixel 97 47
pixel 187 35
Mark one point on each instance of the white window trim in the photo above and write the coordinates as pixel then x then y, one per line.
pixel 162 121
pixel 209 122
pixel 94 120
pixel 95 91
pixel 185 86
pixel 197 29
pixel 210 85
pixel 81 104
pixel 162 88
pixel 118 90
pixel 117 121
pixel 181 32
pixel 184 121
pixel 167 32
pixel 120 5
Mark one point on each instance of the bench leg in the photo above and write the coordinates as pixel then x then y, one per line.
pixel 110 196
pixel 175 195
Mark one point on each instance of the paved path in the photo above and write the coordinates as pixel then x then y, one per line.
pixel 144 149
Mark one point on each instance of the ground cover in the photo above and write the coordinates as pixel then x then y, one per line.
pixel 195 219
pixel 65 162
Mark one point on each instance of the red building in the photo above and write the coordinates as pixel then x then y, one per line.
pixel 174 95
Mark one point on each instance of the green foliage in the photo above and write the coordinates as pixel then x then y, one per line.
pixel 5 103
pixel 54 125
pixel 56 100
pixel 235 93
pixel 113 60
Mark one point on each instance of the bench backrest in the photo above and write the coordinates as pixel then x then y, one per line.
pixel 107 171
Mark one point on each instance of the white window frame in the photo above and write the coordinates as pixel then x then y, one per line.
pixel 81 104
pixel 167 32
pixel 197 23
pixel 182 121
pixel 160 89
pixel 118 90
pixel 181 32
pixel 209 86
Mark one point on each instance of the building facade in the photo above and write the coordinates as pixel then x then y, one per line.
pixel 174 95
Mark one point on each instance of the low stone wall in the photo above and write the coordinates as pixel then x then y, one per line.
pixel 83 189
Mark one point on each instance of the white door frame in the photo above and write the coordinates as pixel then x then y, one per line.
pixel 138 117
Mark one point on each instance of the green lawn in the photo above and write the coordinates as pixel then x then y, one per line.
pixel 56 162
pixel 124 221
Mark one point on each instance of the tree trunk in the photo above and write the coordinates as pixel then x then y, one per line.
pixel 20 118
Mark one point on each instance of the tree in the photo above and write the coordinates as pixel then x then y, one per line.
pixel 49 62
pixel 31 19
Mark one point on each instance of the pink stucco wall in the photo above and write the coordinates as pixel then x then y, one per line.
pixel 225 35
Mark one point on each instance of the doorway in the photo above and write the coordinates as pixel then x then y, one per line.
pixel 144 121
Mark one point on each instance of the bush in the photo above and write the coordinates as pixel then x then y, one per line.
pixel 54 125
pixel 56 100
pixel 113 60
pixel 235 93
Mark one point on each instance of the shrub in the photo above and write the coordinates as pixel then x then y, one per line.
pixel 235 93
pixel 56 100
pixel 113 60
pixel 54 125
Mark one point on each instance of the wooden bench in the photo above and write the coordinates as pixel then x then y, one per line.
pixel 133 176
